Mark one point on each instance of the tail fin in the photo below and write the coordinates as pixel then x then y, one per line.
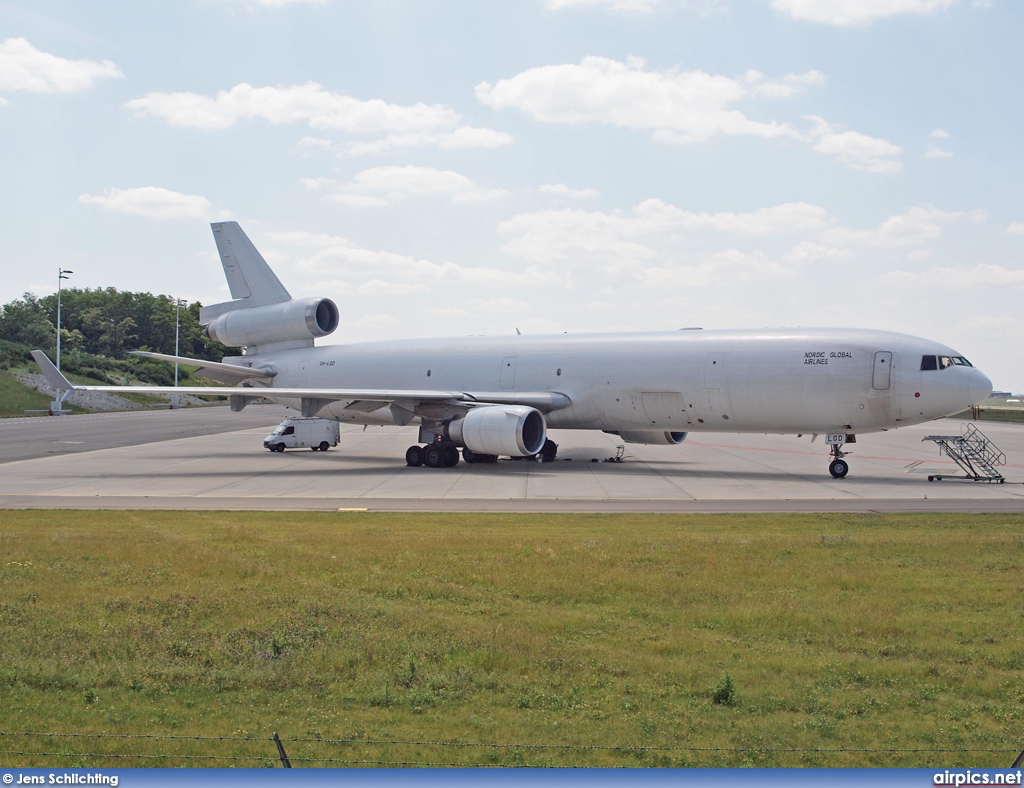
pixel 250 279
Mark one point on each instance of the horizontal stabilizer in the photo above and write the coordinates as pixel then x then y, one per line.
pixel 225 373
pixel 54 378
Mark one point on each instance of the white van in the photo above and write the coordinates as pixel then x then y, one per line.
pixel 301 433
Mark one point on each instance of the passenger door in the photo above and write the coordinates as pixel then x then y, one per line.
pixel 881 376
pixel 508 372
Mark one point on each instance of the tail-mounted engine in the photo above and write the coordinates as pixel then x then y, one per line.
pixel 304 319
pixel 513 430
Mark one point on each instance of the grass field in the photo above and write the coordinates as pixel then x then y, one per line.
pixel 16 397
pixel 849 640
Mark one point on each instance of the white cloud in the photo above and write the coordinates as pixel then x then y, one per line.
pixel 374 322
pixel 631 6
pixel 381 287
pixel 462 137
pixel 915 228
pixel 310 103
pixel 701 7
pixel 336 256
pixel 653 228
pixel 284 3
pixel 676 106
pixel 958 278
pixel 787 87
pixel 807 252
pixel 934 150
pixel 381 185
pixel 844 13
pixel 409 126
pixel 659 246
pixel 358 200
pixel 23 67
pixel 1016 228
pixel 685 107
pixel 561 190
pixel 153 202
pixel 490 305
pixel 854 149
pixel 302 238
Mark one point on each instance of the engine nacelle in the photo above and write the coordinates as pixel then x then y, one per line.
pixel 653 437
pixel 285 322
pixel 515 430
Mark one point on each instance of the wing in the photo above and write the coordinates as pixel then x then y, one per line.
pixel 413 400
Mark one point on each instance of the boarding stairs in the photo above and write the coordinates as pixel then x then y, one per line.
pixel 976 455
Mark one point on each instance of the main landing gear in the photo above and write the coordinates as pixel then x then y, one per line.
pixel 433 455
pixel 445 454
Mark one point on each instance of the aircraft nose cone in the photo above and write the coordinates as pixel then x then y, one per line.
pixel 980 386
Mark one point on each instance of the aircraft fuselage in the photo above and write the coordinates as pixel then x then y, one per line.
pixel 778 381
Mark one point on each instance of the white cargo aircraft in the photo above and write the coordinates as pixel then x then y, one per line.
pixel 494 396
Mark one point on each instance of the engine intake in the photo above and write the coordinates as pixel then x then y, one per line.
pixel 515 430
pixel 297 319
pixel 653 437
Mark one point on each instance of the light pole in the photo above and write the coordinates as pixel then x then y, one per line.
pixel 177 333
pixel 61 275
pixel 57 406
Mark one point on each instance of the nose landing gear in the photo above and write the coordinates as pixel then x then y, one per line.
pixel 839 467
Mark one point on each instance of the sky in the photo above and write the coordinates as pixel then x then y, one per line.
pixel 464 168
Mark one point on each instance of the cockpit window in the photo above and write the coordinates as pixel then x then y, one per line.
pixel 943 362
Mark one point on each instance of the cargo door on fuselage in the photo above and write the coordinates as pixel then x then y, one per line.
pixel 665 409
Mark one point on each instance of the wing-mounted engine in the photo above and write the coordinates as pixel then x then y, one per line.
pixel 293 320
pixel 653 437
pixel 513 430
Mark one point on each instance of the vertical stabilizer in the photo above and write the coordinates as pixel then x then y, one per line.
pixel 250 279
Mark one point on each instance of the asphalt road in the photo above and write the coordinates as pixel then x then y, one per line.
pixel 46 436
pixel 214 459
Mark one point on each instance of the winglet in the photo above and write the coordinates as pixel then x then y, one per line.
pixel 53 376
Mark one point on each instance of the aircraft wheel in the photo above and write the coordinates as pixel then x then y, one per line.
pixel 839 469
pixel 324 445
pixel 414 456
pixel 550 450
pixel 433 456
pixel 279 447
pixel 451 456
pixel 469 455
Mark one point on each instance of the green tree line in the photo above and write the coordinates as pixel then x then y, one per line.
pixel 99 328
